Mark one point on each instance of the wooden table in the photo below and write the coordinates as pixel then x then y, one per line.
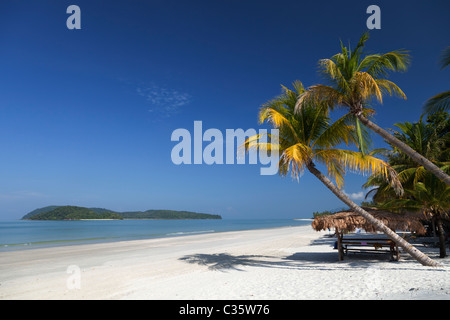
pixel 372 245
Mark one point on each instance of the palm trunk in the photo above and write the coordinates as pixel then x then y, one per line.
pixel 441 233
pixel 414 155
pixel 410 249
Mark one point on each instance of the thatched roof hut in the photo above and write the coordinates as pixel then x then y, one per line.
pixel 348 221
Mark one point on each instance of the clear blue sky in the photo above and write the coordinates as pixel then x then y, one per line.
pixel 86 115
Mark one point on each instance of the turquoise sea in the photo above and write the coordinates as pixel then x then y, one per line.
pixel 26 234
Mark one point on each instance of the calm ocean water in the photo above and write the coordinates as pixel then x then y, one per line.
pixel 22 234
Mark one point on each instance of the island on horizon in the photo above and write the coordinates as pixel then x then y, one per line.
pixel 83 213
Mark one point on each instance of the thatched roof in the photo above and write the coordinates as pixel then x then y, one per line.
pixel 348 221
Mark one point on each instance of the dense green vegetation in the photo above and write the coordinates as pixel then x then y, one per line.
pixel 50 208
pixel 323 213
pixel 73 213
pixel 424 192
pixel 78 213
pixel 167 214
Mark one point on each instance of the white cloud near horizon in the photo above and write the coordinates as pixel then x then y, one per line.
pixel 355 196
pixel 164 101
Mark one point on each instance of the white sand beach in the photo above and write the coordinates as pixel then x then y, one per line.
pixel 281 264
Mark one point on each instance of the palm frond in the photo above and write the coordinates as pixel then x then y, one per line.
pixel 361 136
pixel 445 58
pixel 294 159
pixel 366 86
pixel 259 142
pixel 340 131
pixel 370 192
pixel 273 116
pixel 365 164
pixel 380 151
pixel 330 70
pixel 362 41
pixel 320 95
pixel 379 65
pixel 412 176
pixel 335 169
pixel 391 88
pixel 440 102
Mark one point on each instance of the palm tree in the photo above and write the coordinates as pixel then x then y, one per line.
pixel 441 101
pixel 423 191
pixel 432 198
pixel 308 137
pixel 355 81
pixel 431 139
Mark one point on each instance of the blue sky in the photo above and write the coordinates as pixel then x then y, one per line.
pixel 86 115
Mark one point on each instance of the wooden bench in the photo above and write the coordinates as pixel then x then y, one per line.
pixel 371 245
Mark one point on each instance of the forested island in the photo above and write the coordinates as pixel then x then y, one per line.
pixel 82 213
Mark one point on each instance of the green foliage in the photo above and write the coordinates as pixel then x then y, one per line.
pixel 354 80
pixel 168 214
pixel 431 138
pixel 322 213
pixel 78 213
pixel 74 213
pixel 37 211
pixel 308 136
pixel 423 191
pixel 368 204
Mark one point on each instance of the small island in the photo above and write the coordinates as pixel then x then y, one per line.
pixel 82 213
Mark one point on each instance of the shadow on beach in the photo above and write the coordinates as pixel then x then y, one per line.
pixel 320 260
pixel 301 260
pixel 225 261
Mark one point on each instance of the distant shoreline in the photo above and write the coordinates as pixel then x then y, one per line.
pixel 63 213
pixel 123 219
pixel 310 219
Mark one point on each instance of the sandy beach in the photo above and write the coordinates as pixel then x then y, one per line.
pixel 281 264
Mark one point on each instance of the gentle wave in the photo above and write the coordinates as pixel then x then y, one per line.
pixel 189 232
pixel 63 241
pixel 54 242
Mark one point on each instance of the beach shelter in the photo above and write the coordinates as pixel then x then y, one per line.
pixel 348 221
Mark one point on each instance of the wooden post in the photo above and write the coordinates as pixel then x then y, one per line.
pixel 398 252
pixel 339 245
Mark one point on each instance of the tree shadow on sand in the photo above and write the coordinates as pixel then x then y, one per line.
pixel 317 260
pixel 226 261
pixel 223 261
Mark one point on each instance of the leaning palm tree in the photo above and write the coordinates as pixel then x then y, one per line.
pixel 441 101
pixel 354 81
pixel 307 138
